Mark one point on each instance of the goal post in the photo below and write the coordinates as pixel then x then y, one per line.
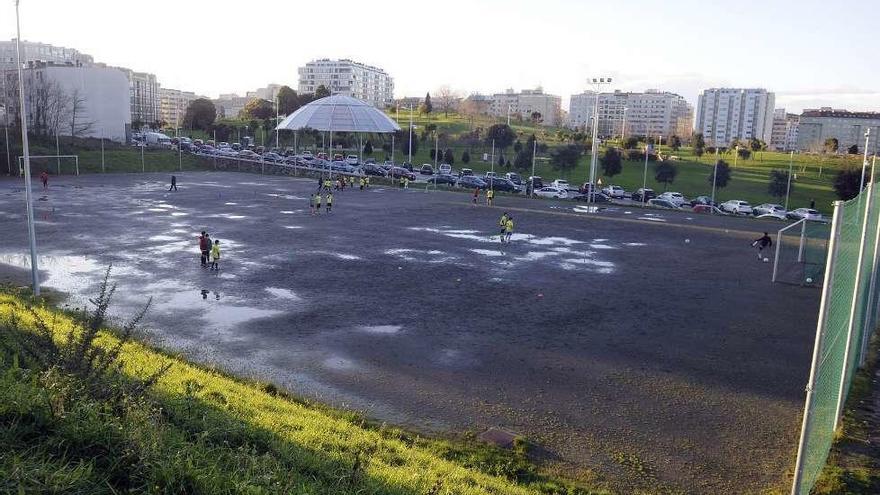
pixel 801 249
pixel 59 163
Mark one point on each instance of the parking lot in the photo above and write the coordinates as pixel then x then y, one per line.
pixel 646 349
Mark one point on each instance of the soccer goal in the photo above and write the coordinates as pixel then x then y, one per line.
pixel 801 249
pixel 56 164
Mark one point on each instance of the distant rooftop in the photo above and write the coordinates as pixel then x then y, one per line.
pixel 831 112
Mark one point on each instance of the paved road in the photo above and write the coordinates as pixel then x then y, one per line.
pixel 643 348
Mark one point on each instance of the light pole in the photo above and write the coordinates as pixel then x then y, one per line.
pixel 508 114
pixel 623 127
pixel 103 168
pixel 598 83
pixel 277 110
pixel 714 178
pixel 534 153
pixel 645 173
pixel 409 148
pixel 735 155
pixel 6 125
pixel 788 187
pixel 35 275
pixel 865 159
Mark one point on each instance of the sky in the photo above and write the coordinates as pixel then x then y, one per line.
pixel 811 53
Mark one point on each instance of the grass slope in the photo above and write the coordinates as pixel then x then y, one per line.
pixel 199 431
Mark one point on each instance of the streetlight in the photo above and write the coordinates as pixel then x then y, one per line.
pixel 788 187
pixel 409 148
pixel 598 83
pixel 865 159
pixel 623 126
pixel 35 275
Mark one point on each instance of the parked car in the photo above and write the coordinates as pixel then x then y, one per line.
pixel 490 175
pixel 674 197
pixel 598 197
pixel 560 184
pixel 337 157
pixel 769 208
pixel 441 179
pixel 501 184
pixel 273 157
pixel 702 200
pixel 397 172
pixel 446 168
pixel 352 160
pixel 709 209
pixel 471 182
pixel 407 166
pixel 465 172
pixel 613 191
pixel 662 203
pixel 551 192
pixel 373 169
pixel 307 156
pixel 535 182
pixel 737 207
pixel 586 187
pixel 804 213
pixel 426 169
pixel 514 177
pixel 248 155
pixel 643 195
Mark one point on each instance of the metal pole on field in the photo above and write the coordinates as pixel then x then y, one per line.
pixel 803 239
pixel 714 179
pixel 827 288
pixel 788 187
pixel 436 154
pixel 865 158
pixel 58 152
pixel 853 306
pixel 103 168
pixel 597 82
pixel 143 144
pixel 6 126
pixel 32 238
pixel 868 327
pixel 534 153
pixel 644 175
pixel 392 148
pixel 492 159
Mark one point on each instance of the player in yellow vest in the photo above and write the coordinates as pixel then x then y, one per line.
pixel 508 229
pixel 215 255
pixel 490 196
pixel 329 201
pixel 503 224
pixel 363 183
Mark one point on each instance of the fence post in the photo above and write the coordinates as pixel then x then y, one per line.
pixel 870 318
pixel 776 256
pixel 827 288
pixel 803 236
pixel 853 305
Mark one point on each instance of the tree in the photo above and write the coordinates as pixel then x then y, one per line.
pixel 631 143
pixel 778 185
pixel 522 160
pixel 674 143
pixel 433 153
pixel 720 174
pixel 846 183
pixel 665 172
pixel 288 100
pixel 447 98
pixel 258 109
pixel 426 107
pixel 321 92
pixel 78 126
pixel 502 134
pixel 402 138
pixel 368 147
pixel 831 145
pixel 699 144
pixel 853 150
pixel 465 157
pixel 744 153
pixel 448 156
pixel 501 160
pixel 733 144
pixel 611 162
pixel 536 117
pixel 517 146
pixel 200 114
pixel 565 158
pixel 756 145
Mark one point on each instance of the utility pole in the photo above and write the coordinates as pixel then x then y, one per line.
pixel 35 274
pixel 409 148
pixel 865 159
pixel 598 83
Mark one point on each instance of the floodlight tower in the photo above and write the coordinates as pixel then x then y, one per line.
pixel 598 83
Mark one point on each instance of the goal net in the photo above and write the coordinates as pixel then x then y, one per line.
pixel 801 249
pixel 52 164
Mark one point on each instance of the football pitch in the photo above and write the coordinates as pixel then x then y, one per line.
pixel 645 350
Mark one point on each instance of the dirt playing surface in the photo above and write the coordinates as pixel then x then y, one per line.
pixel 643 350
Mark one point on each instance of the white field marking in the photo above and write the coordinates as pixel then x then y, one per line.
pixel 653 219
pixel 339 363
pixel 601 246
pixel 293 227
pixel 634 244
pixel 342 256
pixel 287 212
pixel 283 293
pixel 537 255
pixel 487 252
pixel 179 214
pixel 230 204
pixel 380 329
pixel 163 238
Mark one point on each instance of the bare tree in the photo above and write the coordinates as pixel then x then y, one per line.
pixel 79 126
pixel 447 98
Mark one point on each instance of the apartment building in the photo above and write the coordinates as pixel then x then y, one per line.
pixel 525 104
pixel 651 113
pixel 785 130
pixel 725 114
pixel 268 93
pixel 173 104
pixel 818 125
pixel 229 105
pixel 349 78
pixel 41 52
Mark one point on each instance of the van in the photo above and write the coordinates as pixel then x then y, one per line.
pixel 157 139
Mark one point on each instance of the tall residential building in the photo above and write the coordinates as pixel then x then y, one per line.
pixel 725 114
pixel 349 78
pixel 73 101
pixel 527 102
pixel 785 131
pixel 41 52
pixel 173 104
pixel 847 127
pixel 146 102
pixel 652 113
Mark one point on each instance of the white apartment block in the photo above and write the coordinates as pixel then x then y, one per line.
pixel 652 113
pixel 268 93
pixel 348 78
pixel 847 127
pixel 41 52
pixel 173 104
pixel 525 103
pixel 785 131
pixel 229 105
pixel 725 114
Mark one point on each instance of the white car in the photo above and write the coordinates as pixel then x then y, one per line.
pixel 673 197
pixel 551 192
pixel 446 169
pixel 769 209
pixel 560 184
pixel 613 191
pixel 352 160
pixel 804 214
pixel 737 207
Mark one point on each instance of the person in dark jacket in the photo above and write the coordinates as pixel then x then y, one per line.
pixel 761 243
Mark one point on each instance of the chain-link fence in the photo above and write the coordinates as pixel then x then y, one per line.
pixel 847 317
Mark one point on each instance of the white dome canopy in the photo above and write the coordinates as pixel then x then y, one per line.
pixel 339 114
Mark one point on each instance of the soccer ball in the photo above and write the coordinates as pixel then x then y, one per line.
pixel 809 280
pixel 766 260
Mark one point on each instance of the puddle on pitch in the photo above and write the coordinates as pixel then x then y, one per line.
pixel 342 256
pixel 487 252
pixel 283 293
pixel 421 255
pixel 380 329
pixel 634 244
pixel 339 363
pixel 601 246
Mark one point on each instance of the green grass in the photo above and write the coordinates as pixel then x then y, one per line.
pixel 200 431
